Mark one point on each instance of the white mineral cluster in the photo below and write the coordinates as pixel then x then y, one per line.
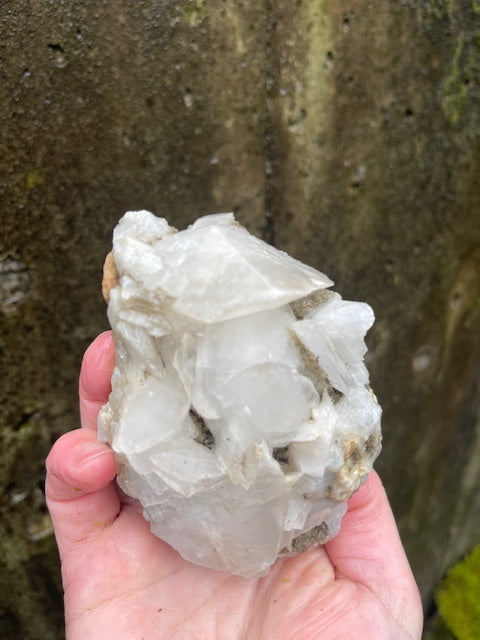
pixel 240 414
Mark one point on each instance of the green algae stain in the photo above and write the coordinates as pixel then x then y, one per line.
pixel 455 89
pixel 462 77
pixel 195 12
pixel 437 9
pixel 35 178
pixel 458 598
pixel 476 6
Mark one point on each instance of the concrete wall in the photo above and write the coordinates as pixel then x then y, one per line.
pixel 346 133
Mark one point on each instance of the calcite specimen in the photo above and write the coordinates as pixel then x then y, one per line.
pixel 240 414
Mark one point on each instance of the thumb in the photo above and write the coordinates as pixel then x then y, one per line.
pixel 80 492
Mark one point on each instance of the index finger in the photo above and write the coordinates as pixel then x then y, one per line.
pixel 95 375
pixel 368 550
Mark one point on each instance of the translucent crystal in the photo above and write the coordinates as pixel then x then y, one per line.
pixel 240 414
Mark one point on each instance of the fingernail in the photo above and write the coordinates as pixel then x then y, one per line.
pixel 89 452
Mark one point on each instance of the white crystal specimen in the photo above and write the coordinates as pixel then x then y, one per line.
pixel 240 414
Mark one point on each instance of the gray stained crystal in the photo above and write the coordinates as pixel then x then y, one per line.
pixel 240 414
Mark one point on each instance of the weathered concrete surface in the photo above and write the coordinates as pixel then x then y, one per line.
pixel 346 133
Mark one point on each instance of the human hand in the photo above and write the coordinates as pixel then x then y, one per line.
pixel 121 582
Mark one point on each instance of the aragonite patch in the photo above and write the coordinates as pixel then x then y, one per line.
pixel 240 414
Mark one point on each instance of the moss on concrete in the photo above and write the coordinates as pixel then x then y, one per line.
pixel 458 597
pixel 30 584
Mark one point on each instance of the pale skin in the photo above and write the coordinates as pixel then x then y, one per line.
pixel 123 583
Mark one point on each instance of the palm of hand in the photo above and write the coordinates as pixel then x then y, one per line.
pixel 122 582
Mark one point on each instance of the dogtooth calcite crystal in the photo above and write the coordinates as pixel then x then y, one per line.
pixel 240 414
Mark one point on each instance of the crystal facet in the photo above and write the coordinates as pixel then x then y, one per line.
pixel 240 414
